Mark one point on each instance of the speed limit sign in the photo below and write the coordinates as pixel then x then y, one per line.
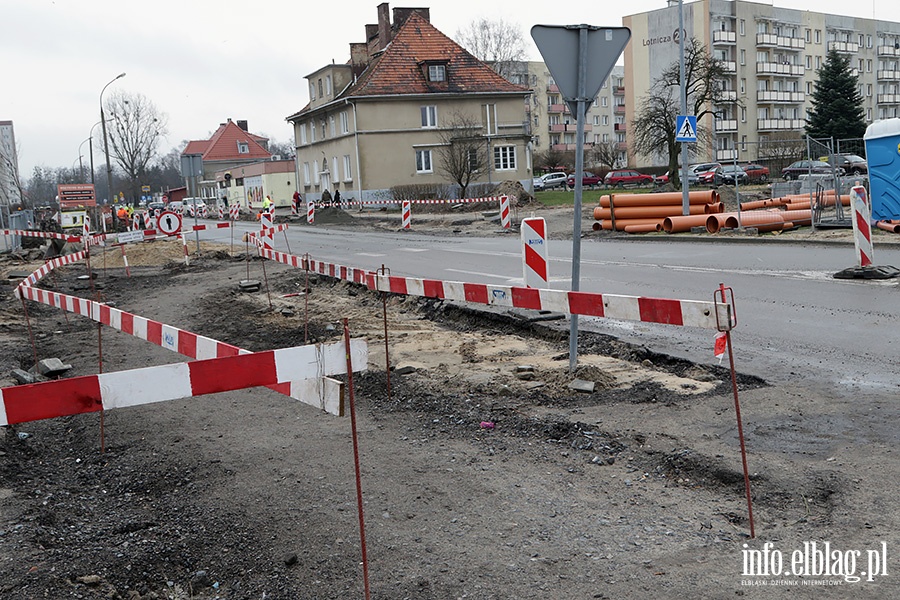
pixel 169 222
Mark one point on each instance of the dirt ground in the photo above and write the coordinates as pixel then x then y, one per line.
pixel 483 474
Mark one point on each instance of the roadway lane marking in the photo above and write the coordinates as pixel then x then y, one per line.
pixel 413 249
pixel 505 277
pixel 370 254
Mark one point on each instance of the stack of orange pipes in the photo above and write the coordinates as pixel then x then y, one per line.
pixel 638 213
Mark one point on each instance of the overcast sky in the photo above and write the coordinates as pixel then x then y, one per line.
pixel 202 61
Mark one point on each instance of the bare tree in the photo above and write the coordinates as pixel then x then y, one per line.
pixel 654 125
pixel 462 153
pixel 779 153
pixel 135 130
pixel 550 159
pixel 605 154
pixel 498 43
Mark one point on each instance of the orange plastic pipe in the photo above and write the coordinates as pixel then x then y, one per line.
pixel 641 228
pixel 645 212
pixel 715 222
pixel 621 224
pixel 762 220
pixel 799 217
pixel 888 226
pixel 682 223
pixel 754 204
pixel 659 199
pixel 714 208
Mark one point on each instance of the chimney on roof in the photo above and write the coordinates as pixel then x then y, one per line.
pixel 371 32
pixel 242 124
pixel 359 54
pixel 384 26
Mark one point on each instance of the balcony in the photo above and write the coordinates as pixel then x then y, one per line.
pixel 724 37
pixel 890 75
pixel 888 51
pixel 780 124
pixel 552 88
pixel 844 47
pixel 723 125
pixel 772 96
pixel 726 155
pixel 557 108
pixel 564 147
pixel 727 96
pixel 888 98
pixel 786 69
pixel 619 127
pixel 619 109
pixel 770 40
pixel 622 146
pixel 618 90
pixel 729 66
pixel 569 127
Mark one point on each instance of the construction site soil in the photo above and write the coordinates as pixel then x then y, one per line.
pixel 483 474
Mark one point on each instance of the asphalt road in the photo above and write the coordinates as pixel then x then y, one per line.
pixel 794 319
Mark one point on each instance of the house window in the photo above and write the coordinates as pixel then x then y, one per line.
pixel 473 159
pixel 605 120
pixel 808 61
pixel 869 66
pixel 605 137
pixel 743 85
pixel 345 123
pixel 323 128
pixel 312 91
pixel 347 172
pixel 334 165
pixel 808 36
pixel 504 158
pixel 596 119
pixel 437 73
pixel 423 161
pixel 742 27
pixel 429 116
pixel 312 131
pixel 316 172
pixel 243 148
pixel 331 125
pixel 743 56
pixel 869 90
pixel 328 85
pixel 818 36
pixel 306 173
pixel 818 62
pixel 743 115
pixel 868 41
pixel 604 102
pixel 321 95
pixel 303 134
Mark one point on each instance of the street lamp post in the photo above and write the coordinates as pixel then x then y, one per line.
pixel 91 149
pixel 80 166
pixel 109 189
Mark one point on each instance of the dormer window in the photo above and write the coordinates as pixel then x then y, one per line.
pixel 243 148
pixel 437 73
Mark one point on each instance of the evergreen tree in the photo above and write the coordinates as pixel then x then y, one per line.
pixel 837 106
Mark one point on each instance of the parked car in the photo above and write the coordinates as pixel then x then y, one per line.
pixel 756 173
pixel 587 179
pixel 175 206
pixel 193 207
pixel 555 179
pixel 712 177
pixel 850 163
pixel 732 174
pixel 622 177
pixel 153 207
pixel 802 167
pixel 695 171
pixel 537 183
pixel 662 179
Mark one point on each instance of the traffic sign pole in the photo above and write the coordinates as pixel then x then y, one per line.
pixel 566 49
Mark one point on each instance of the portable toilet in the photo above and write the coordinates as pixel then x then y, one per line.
pixel 883 155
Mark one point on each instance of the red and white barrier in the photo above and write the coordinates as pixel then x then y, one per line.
pixel 234 211
pixel 504 212
pixel 862 229
pixel 406 214
pixel 93 393
pixel 41 234
pixel 294 207
pixel 266 235
pixel 535 263
pixel 310 213
pixel 221 212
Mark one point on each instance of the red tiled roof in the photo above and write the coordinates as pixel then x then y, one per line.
pixel 223 145
pixel 401 67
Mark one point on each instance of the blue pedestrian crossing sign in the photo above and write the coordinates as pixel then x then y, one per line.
pixel 685 128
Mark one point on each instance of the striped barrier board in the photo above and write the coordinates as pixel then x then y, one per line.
pixel 686 313
pixel 406 214
pixel 310 213
pixel 862 230
pixel 504 212
pixel 535 263
pixel 234 211
pixel 106 391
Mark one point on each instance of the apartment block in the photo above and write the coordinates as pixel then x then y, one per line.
pixel 772 55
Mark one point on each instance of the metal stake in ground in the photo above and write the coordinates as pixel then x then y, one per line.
pixel 387 356
pixel 737 404
pixel 359 498
pixel 306 301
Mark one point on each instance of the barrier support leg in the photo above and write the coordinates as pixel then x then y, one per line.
pixel 266 280
pixel 100 360
pixel 30 332
pixel 359 498
pixel 387 356
pixel 306 301
pixel 737 413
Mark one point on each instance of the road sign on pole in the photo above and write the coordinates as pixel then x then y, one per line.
pixel 580 58
pixel 686 128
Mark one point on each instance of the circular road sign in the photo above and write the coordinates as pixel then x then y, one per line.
pixel 169 222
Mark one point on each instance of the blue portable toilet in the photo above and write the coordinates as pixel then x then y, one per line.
pixel 883 156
